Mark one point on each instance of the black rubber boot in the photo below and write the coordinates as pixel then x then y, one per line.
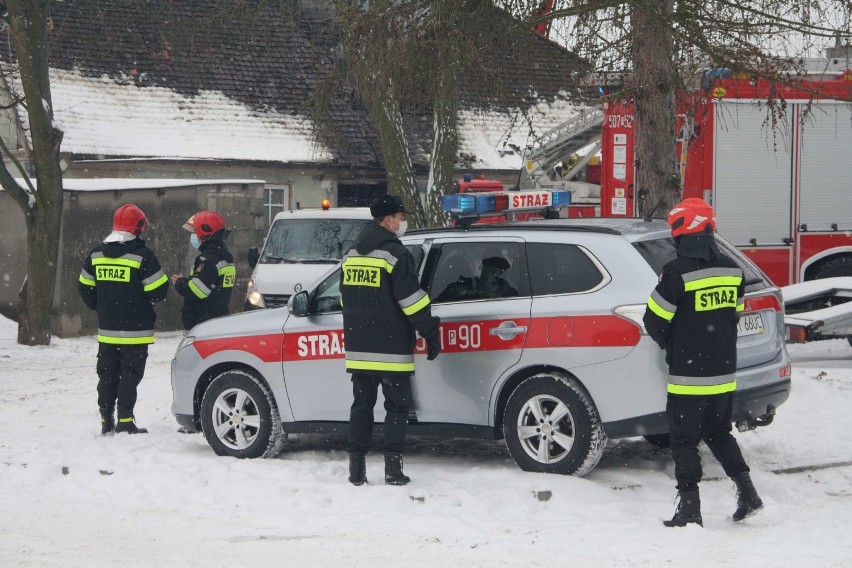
pixel 393 470
pixel 357 469
pixel 129 426
pixel 748 502
pixel 688 510
pixel 107 420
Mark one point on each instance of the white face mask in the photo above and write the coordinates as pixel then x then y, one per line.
pixel 403 226
pixel 193 240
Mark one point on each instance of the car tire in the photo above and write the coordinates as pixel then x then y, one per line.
pixel 659 440
pixel 239 417
pixel 574 444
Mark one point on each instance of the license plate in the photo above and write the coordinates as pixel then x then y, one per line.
pixel 750 324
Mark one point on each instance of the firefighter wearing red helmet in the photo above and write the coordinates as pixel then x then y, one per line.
pixel 120 279
pixel 692 314
pixel 207 289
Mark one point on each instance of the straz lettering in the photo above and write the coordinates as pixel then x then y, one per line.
pixel 362 276
pixel 320 345
pixel 114 273
pixel 228 281
pixel 715 298
pixel 531 199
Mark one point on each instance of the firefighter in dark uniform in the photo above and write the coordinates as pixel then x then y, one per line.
pixel 692 314
pixel 382 306
pixel 207 289
pixel 120 279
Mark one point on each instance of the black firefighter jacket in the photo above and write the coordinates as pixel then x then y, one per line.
pixel 693 314
pixel 207 289
pixel 120 281
pixel 382 305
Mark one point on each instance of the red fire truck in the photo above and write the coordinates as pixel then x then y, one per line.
pixel 778 181
pixel 779 184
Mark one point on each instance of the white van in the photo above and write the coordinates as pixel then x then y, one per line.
pixel 299 248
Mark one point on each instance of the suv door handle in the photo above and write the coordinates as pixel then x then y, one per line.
pixel 509 328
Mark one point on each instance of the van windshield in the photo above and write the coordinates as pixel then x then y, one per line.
pixel 311 240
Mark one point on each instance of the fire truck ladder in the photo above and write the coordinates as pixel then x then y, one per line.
pixel 582 129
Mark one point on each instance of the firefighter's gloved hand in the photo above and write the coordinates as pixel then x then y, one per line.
pixel 433 347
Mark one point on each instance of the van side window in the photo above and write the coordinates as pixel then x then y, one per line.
pixel 561 269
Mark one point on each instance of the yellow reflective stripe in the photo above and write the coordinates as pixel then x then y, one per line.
pixel 712 281
pixel 416 306
pixel 703 389
pixel 156 283
pixel 367 261
pixel 659 310
pixel 196 290
pixel 116 262
pixel 227 270
pixel 378 366
pixel 125 340
pixel 740 307
pixel 86 281
pixel 124 420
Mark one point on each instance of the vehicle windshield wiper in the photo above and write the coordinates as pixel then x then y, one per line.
pixel 319 260
pixel 277 259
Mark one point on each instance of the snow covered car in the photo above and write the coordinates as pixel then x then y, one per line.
pixel 553 358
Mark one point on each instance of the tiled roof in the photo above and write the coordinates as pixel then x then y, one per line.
pixel 188 78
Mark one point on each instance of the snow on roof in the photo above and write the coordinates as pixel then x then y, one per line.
pixel 121 184
pixel 488 136
pixel 100 116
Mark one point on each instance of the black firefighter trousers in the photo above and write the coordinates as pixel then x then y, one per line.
pixel 397 392
pixel 695 418
pixel 120 370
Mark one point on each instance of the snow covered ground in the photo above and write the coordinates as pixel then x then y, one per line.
pixel 69 497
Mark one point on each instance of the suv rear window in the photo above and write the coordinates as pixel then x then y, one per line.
pixel 659 252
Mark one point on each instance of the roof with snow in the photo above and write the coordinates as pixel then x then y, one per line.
pixel 190 80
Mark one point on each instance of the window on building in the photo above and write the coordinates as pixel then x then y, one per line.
pixel 277 200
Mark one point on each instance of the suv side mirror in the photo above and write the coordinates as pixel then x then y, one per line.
pixel 300 304
pixel 253 256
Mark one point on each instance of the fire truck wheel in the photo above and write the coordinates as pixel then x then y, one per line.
pixel 658 440
pixel 838 266
pixel 551 426
pixel 239 417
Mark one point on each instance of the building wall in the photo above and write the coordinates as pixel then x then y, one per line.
pixel 87 220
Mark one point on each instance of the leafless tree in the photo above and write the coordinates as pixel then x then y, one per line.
pixel 41 203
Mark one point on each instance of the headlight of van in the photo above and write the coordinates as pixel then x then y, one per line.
pixel 253 295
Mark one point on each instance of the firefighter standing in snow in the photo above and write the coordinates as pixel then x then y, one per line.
pixel 120 279
pixel 693 314
pixel 382 306
pixel 207 289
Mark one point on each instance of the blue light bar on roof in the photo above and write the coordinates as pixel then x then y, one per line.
pixel 458 203
pixel 560 198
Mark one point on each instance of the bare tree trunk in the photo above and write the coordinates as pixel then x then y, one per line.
pixel 655 76
pixel 42 207
pixel 445 113
pixel 400 171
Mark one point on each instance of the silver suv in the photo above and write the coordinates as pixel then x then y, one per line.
pixel 542 341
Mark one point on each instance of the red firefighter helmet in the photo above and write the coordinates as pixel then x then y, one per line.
pixel 205 224
pixel 130 219
pixel 691 217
